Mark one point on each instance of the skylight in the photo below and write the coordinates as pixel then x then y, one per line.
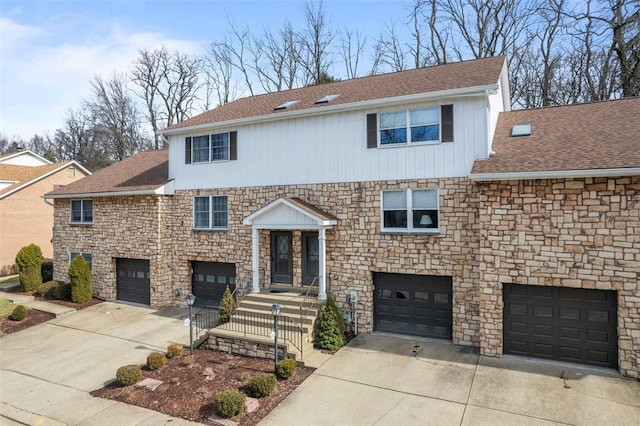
pixel 285 105
pixel 520 130
pixel 327 99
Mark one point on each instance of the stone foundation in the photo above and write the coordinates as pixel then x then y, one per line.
pixel 243 346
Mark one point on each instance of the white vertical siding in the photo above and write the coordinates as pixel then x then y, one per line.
pixel 333 148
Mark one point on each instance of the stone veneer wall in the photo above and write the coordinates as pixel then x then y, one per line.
pixel 123 227
pixel 582 233
pixel 355 246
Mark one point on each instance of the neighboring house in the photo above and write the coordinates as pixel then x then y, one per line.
pixel 25 217
pixel 404 193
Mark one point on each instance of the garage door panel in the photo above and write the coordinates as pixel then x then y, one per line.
pixel 133 282
pixel 209 281
pixel 568 324
pixel 413 304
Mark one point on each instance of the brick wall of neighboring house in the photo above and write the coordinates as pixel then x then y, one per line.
pixel 123 227
pixel 574 233
pixel 355 246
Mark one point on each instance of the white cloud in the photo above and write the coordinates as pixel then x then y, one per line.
pixel 48 72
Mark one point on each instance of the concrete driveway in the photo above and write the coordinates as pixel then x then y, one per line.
pixel 47 370
pixel 387 380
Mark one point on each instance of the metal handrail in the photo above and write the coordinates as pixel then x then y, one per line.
pixel 207 317
pixel 303 307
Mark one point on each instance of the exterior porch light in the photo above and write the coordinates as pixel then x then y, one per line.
pixel 275 310
pixel 191 299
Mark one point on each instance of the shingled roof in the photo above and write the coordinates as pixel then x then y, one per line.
pixel 145 172
pixel 580 138
pixel 23 176
pixel 459 75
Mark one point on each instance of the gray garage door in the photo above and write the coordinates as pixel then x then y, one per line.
pixel 133 283
pixel 565 324
pixel 418 305
pixel 209 279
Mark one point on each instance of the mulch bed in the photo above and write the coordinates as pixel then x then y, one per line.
pixel 34 317
pixel 188 391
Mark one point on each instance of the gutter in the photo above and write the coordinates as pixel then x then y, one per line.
pixel 555 174
pixel 328 109
pixel 166 189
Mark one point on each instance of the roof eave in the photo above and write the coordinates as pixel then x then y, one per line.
pixel 555 174
pixel 459 92
pixel 40 177
pixel 166 189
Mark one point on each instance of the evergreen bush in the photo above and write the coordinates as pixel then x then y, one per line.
pixel 261 385
pixel 156 361
pixel 286 368
pixel 128 375
pixel 330 327
pixel 229 403
pixel 226 307
pixel 80 275
pixel 19 313
pixel 29 260
pixel 46 270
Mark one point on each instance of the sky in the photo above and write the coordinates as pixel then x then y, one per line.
pixel 50 50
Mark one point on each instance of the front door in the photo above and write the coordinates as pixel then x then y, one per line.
pixel 310 257
pixel 281 257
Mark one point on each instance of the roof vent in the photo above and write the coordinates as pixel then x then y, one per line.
pixel 520 130
pixel 327 99
pixel 286 105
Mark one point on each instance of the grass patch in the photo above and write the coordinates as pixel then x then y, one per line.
pixel 6 307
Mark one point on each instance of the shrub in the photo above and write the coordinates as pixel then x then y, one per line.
pixel 330 327
pixel 128 375
pixel 261 385
pixel 80 274
pixel 286 368
pixel 156 361
pixel 49 289
pixel 229 403
pixel 19 313
pixel 29 260
pixel 174 350
pixel 226 307
pixel 46 270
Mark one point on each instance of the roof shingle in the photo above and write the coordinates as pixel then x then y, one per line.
pixel 466 74
pixel 25 174
pixel 147 170
pixel 599 135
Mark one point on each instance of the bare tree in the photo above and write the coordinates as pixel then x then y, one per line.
pixel 277 59
pixel 169 84
pixel 352 44
pixel 316 40
pixel 77 141
pixel 389 51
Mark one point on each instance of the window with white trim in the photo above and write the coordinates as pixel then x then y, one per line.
pixel 82 212
pixel 410 210
pixel 410 126
pixel 87 256
pixel 210 212
pixel 210 148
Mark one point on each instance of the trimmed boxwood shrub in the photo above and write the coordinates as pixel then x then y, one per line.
pixel 128 375
pixel 226 307
pixel 156 361
pixel 286 368
pixel 19 313
pixel 46 270
pixel 80 274
pixel 29 260
pixel 330 327
pixel 229 403
pixel 49 289
pixel 174 350
pixel 261 385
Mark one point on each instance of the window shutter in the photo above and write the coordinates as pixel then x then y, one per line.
pixel 446 118
pixel 372 130
pixel 187 150
pixel 233 145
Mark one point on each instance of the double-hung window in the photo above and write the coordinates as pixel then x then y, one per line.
pixel 410 210
pixel 209 148
pixel 87 256
pixel 411 126
pixel 210 212
pixel 82 212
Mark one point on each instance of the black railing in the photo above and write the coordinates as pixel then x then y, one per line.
pixel 261 324
pixel 205 318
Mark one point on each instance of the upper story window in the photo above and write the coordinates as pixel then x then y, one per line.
pixel 210 212
pixel 410 210
pixel 211 148
pixel 410 126
pixel 82 211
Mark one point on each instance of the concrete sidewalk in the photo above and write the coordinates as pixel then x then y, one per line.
pixel 388 380
pixel 48 370
pixel 32 303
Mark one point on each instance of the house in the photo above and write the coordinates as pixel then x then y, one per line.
pixel 25 218
pixel 417 199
